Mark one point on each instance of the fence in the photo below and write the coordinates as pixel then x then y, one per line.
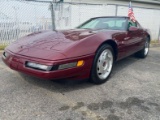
pixel 19 18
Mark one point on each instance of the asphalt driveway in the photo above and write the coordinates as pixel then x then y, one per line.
pixel 132 93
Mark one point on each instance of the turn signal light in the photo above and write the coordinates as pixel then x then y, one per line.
pixel 80 63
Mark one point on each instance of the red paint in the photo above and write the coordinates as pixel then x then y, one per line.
pixel 59 47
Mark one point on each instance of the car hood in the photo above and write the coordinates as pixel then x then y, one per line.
pixel 49 44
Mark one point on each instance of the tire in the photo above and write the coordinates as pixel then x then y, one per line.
pixel 102 64
pixel 144 52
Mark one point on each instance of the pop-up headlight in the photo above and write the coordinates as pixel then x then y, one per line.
pixel 38 66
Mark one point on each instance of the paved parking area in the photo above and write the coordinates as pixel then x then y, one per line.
pixel 132 93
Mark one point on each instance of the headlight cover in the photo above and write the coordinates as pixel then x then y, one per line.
pixel 55 67
pixel 38 66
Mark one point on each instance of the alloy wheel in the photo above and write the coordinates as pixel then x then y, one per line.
pixel 104 64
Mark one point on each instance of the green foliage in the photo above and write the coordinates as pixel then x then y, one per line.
pixel 155 41
pixel 2 47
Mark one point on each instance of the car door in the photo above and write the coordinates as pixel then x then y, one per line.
pixel 142 37
pixel 124 38
pixel 132 39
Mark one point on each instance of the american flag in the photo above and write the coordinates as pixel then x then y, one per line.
pixel 130 13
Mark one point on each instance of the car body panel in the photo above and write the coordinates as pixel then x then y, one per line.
pixel 66 46
pixel 61 44
pixel 17 62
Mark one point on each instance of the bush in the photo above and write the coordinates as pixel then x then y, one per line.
pixel 2 47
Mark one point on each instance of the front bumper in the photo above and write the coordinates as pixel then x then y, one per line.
pixel 17 62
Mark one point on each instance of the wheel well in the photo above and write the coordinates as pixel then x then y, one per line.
pixel 113 44
pixel 148 36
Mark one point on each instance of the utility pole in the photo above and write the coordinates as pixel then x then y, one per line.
pixel 52 16
pixel 16 18
pixel 16 21
pixel 116 11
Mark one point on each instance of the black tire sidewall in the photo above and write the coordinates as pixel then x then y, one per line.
pixel 147 40
pixel 94 76
pixel 141 53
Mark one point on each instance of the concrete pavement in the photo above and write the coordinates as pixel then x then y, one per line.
pixel 132 93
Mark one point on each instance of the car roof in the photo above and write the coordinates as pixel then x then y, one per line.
pixel 111 17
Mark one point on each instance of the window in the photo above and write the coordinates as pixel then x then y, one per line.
pixel 91 24
pixel 130 23
pixel 105 23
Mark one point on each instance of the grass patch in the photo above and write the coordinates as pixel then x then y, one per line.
pixel 155 41
pixel 2 47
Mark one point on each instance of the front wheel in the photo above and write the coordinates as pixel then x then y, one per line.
pixel 144 52
pixel 102 64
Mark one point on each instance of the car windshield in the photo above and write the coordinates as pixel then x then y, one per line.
pixel 105 23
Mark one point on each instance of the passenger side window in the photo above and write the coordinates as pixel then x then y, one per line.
pixel 130 23
pixel 116 24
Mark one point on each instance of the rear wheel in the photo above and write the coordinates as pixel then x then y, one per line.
pixel 144 52
pixel 102 65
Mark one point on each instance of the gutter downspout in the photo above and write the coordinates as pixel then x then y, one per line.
pixel 52 16
pixel 159 34
pixel 116 10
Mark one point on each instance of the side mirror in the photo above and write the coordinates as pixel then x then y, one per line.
pixel 132 28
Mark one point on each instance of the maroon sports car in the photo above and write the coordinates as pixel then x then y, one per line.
pixel 89 51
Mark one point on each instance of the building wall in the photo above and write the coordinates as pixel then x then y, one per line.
pixel 147 14
pixel 148 18
pixel 68 15
pixel 135 3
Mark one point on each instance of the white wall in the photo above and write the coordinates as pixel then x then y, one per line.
pixel 71 15
pixel 78 13
pixel 119 2
pixel 81 13
pixel 148 18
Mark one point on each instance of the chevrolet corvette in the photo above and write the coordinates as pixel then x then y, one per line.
pixel 88 51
